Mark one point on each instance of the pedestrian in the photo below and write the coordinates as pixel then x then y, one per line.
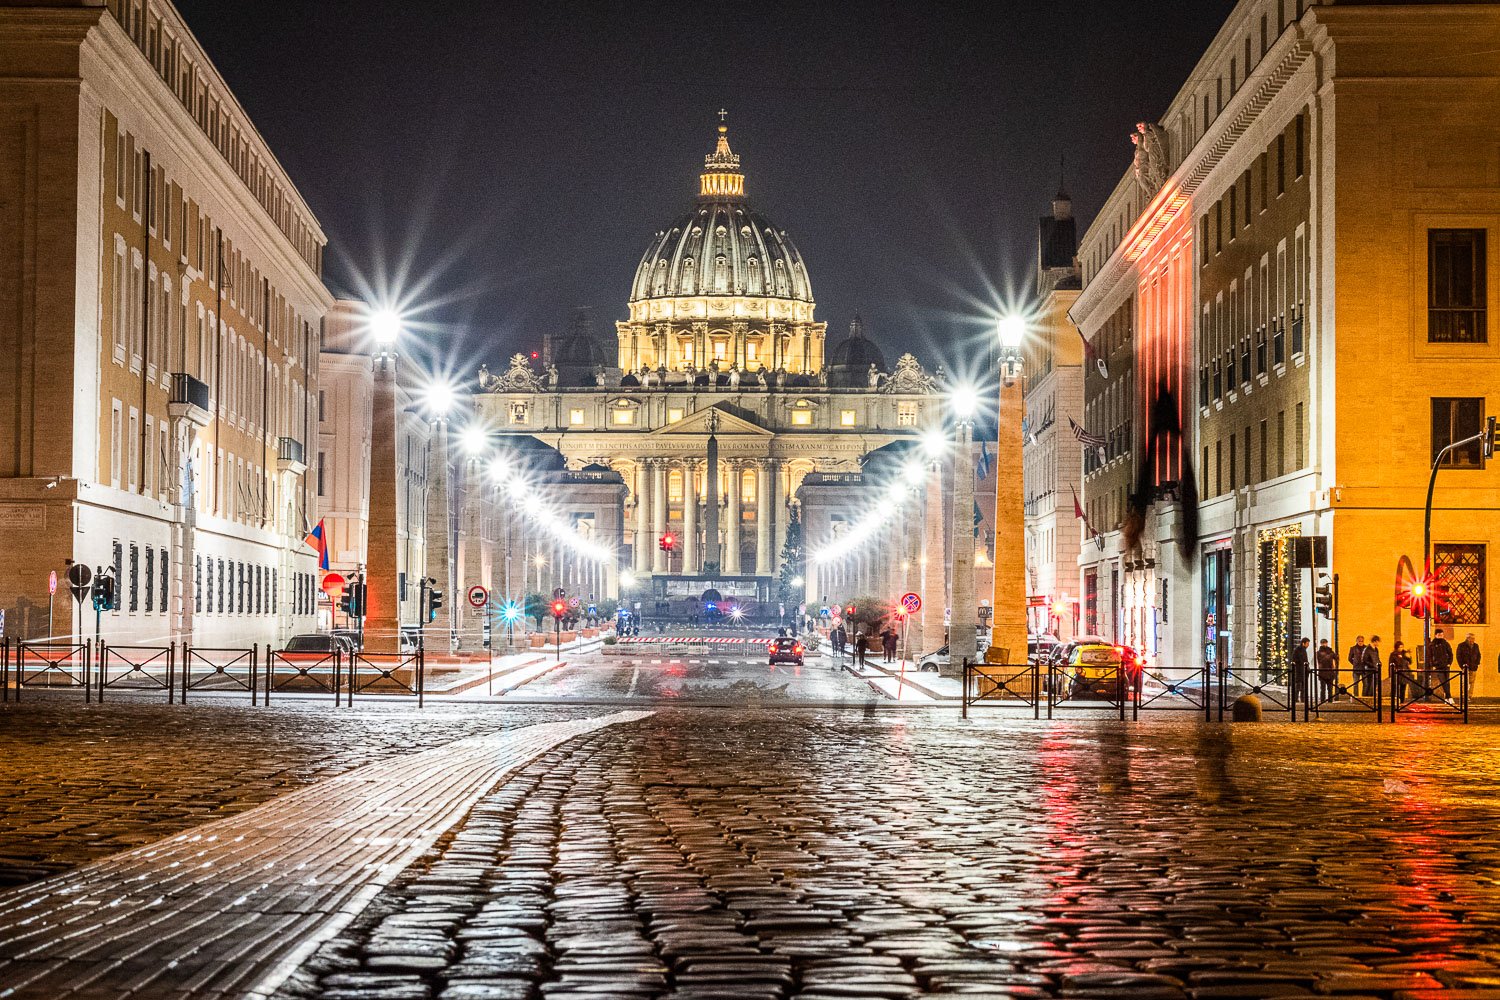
pixel 1357 665
pixel 1328 671
pixel 843 638
pixel 1401 681
pixel 1468 660
pixel 860 642
pixel 1439 663
pixel 1297 683
pixel 888 644
pixel 1373 663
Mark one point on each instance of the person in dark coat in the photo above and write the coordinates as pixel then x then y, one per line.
pixel 1468 658
pixel 1439 664
pixel 1328 671
pixel 861 642
pixel 1401 679
pixel 1373 664
pixel 1297 683
pixel 1358 664
pixel 888 644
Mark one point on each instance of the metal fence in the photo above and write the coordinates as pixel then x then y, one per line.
pixel 403 673
pixel 1093 687
pixel 1003 683
pixel 311 672
pixel 138 668
pixel 49 664
pixel 1173 689
pixel 221 669
pixel 1235 683
pixel 1347 691
pixel 1430 692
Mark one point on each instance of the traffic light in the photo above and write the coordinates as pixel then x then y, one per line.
pixel 1491 437
pixel 559 609
pixel 434 601
pixel 104 596
pixel 666 542
pixel 1323 600
pixel 357 600
pixel 344 604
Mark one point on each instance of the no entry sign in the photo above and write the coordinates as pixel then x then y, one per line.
pixel 911 602
pixel 478 596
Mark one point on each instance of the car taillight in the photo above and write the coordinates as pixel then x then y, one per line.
pixel 797 648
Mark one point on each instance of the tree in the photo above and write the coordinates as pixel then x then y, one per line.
pixel 793 565
pixel 871 614
pixel 538 606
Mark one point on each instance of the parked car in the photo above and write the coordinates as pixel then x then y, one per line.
pixel 311 649
pixel 784 649
pixel 933 662
pixel 1095 670
pixel 1040 648
pixel 349 637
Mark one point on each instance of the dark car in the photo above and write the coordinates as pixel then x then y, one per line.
pixel 784 649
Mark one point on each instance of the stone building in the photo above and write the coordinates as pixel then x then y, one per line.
pixel 163 300
pixel 714 403
pixel 1052 372
pixel 1299 261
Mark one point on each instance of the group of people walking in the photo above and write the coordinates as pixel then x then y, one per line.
pixel 1434 679
pixel 864 642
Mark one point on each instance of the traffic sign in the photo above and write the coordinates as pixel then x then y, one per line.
pixel 79 576
pixel 478 596
pixel 333 583
pixel 573 602
pixel 911 602
pixel 52 582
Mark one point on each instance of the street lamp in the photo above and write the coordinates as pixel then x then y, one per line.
pixel 1012 331
pixel 385 325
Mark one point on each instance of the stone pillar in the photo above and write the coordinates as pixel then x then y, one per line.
pixel 641 558
pixel 689 518
pixel 1008 628
pixel 439 542
pixel 658 514
pixel 732 528
pixel 962 642
pixel 383 613
pixel 764 558
pixel 711 551
pixel 934 571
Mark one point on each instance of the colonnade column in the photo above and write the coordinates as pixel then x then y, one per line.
pixel 732 527
pixel 689 517
pixel 641 557
pixel 765 504
pixel 658 513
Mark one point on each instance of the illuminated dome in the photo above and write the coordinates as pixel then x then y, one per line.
pixel 722 247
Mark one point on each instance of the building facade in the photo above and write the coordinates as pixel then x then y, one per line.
pixel 713 404
pixel 1298 261
pixel 163 276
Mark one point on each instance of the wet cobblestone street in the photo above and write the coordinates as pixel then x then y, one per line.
pixel 817 854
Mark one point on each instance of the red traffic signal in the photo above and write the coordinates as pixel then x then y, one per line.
pixel 667 542
pixel 559 608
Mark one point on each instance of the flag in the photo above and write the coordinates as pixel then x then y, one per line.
pixel 318 542
pixel 1090 354
pixel 982 467
pixel 1078 513
pixel 1087 527
pixel 1027 434
pixel 1083 436
pixel 978 517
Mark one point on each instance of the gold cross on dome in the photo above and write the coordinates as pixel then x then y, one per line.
pixel 723 115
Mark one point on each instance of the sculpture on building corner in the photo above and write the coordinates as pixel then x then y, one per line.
pixel 1150 141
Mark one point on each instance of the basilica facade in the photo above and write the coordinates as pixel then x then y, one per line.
pixel 715 403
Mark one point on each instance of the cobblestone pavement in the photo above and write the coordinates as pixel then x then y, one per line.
pixel 757 854
pixel 83 782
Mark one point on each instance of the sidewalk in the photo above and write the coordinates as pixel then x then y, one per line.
pixel 512 670
pixel 888 679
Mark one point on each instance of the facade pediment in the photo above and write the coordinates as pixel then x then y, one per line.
pixel 727 425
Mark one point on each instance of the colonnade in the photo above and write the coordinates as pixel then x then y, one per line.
pixel 653 510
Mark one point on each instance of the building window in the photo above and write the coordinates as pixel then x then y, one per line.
pixel 150 578
pixel 322 403
pixel 906 414
pixel 135 577
pixel 161 564
pixel 1462 568
pixel 801 418
pixel 752 350
pixel 846 418
pixel 1456 287
pixel 1301 144
pixel 1453 419
pixel 721 349
pixel 1281 164
pixel 518 412
pixel 623 417
pixel 321 492
pixel 674 414
pixel 575 417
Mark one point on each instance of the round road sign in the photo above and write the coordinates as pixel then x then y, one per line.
pixel 52 582
pixel 911 602
pixel 333 584
pixel 478 596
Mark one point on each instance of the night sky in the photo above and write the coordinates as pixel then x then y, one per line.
pixel 495 165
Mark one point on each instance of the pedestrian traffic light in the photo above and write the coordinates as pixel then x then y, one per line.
pixel 1323 600
pixel 344 604
pixel 559 609
pixel 104 596
pixel 434 601
pixel 1491 436
pixel 357 600
pixel 667 543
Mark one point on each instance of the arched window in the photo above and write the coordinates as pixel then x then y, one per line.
pixel 780 277
pixel 721 274
pixel 689 277
pixel 661 277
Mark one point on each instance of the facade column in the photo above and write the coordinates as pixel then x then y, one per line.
pixel 732 526
pixel 382 558
pixel 641 557
pixel 689 517
pixel 934 572
pixel 658 513
pixel 962 642
pixel 439 540
pixel 763 508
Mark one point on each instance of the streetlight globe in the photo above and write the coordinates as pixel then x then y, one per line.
pixel 385 324
pixel 1012 330
pixel 964 401
pixel 540 560
pixel 934 442
pixel 797 581
pixel 498 469
pixel 627 579
pixel 440 398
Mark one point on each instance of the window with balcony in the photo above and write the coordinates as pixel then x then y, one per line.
pixel 1456 287
pixel 801 418
pixel 1462 568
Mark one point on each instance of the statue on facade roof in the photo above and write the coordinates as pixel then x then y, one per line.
pixel 1151 168
pixel 519 377
pixel 485 378
pixel 552 376
pixel 874 375
pixel 734 376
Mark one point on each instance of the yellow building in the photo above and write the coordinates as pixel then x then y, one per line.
pixel 164 303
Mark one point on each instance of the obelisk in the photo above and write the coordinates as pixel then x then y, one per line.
pixel 711 514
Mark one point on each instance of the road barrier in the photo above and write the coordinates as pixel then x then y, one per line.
pixel 1173 689
pixel 231 668
pixel 1430 692
pixel 1347 691
pixel 1005 683
pixel 382 673
pixel 1273 690
pixel 307 671
pixel 148 668
pixel 1068 687
pixel 40 663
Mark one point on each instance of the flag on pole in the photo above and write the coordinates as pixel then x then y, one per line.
pixel 1087 527
pixel 982 467
pixel 1083 436
pixel 1093 356
pixel 318 542
pixel 1027 434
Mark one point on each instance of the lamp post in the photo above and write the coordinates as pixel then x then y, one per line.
pixel 1008 601
pixel 383 613
pixel 963 644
